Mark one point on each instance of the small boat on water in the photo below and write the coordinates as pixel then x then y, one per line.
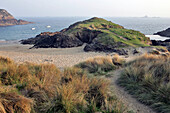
pixel 33 28
pixel 48 26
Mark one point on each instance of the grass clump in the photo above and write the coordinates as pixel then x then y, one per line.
pixel 80 94
pixel 32 88
pixel 14 103
pixel 101 65
pixel 148 79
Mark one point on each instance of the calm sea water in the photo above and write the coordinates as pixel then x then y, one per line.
pixel 148 26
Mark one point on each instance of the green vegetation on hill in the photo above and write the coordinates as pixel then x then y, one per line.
pixel 110 32
pixel 148 79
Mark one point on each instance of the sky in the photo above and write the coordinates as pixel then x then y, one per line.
pixel 101 8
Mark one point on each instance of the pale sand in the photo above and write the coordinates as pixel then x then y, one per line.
pixel 61 57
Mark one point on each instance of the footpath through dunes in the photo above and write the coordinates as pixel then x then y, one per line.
pixel 126 98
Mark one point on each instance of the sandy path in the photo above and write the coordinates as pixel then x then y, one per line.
pixel 126 98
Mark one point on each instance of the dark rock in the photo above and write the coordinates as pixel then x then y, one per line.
pixel 6 19
pixel 165 33
pixel 165 43
pixel 86 35
pixel 58 41
pixel 135 51
pixel 161 43
pixel 97 46
pixel 38 38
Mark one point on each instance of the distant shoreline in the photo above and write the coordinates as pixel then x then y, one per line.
pixel 152 37
pixel 9 42
pixel 157 37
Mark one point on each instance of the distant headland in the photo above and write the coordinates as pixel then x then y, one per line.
pixel 98 34
pixel 6 19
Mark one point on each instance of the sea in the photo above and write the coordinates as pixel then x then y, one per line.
pixel 148 26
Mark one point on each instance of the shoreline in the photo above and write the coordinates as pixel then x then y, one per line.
pixel 157 37
pixel 152 37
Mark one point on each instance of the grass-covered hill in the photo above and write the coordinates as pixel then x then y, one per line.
pixel 110 33
pixel 98 33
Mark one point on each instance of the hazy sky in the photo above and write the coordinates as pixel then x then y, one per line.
pixel 118 8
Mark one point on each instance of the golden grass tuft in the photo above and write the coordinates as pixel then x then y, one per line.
pixel 100 60
pixel 5 60
pixel 117 60
pixel 12 103
pixel 100 65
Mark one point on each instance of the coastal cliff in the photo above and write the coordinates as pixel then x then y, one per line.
pixel 6 19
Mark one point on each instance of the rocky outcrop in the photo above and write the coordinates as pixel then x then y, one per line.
pixel 6 19
pixel 98 34
pixel 58 41
pixel 38 38
pixel 165 43
pixel 165 33
pixel 96 45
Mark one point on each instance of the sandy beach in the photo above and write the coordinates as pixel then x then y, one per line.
pixel 61 57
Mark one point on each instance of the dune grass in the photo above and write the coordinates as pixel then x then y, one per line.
pixel 42 88
pixel 101 65
pixel 148 79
